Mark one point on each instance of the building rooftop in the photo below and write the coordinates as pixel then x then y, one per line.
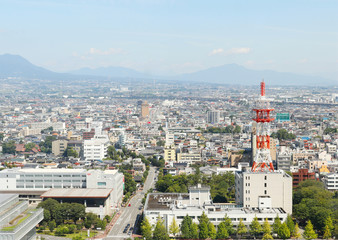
pixel 77 193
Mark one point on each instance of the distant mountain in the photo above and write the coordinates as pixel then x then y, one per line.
pixel 111 72
pixel 236 74
pixel 17 66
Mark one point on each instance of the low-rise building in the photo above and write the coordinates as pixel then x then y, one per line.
pixel 17 219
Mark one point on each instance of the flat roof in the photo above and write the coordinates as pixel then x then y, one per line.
pixel 5 197
pixel 77 193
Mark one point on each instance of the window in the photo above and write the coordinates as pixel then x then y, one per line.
pixel 265 184
pixel 101 184
pixel 265 177
pixel 265 192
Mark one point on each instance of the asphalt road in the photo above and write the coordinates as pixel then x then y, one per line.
pixel 130 214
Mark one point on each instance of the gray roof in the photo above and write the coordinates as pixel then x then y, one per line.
pixel 77 193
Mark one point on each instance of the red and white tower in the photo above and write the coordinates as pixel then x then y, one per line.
pixel 262 116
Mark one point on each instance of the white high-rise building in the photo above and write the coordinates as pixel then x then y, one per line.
pixel 96 148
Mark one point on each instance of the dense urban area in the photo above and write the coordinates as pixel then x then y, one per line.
pixel 146 159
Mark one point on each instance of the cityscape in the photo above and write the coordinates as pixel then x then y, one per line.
pixel 124 144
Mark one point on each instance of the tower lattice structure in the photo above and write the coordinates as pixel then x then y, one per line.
pixel 263 117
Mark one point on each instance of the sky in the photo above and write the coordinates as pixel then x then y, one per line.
pixel 169 37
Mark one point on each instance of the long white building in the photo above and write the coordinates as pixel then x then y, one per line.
pixel 177 205
pixel 37 181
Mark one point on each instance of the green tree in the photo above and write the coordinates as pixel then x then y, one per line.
pixel 328 222
pixel 222 231
pixel 174 229
pixel 77 211
pixel 203 226
pixel 255 227
pixel 290 224
pixel 229 226
pixel 241 229
pixel 29 146
pixel 185 227
pixel 267 236
pixel 70 152
pixel 297 234
pixel 51 225
pixel 327 232
pixel 160 232
pixel 309 233
pixel 194 231
pixel 283 231
pixel 71 228
pixel 203 230
pixel 266 228
pixel 9 147
pixel 61 230
pixel 146 229
pixel 212 230
pixel 276 224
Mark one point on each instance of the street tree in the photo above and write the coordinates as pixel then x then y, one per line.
pixel 222 232
pixel 212 230
pixel 146 229
pixel 255 227
pixel 297 234
pixel 290 224
pixel 276 224
pixel 186 227
pixel 160 232
pixel 327 232
pixel 309 233
pixel 241 229
pixel 174 229
pixel 283 231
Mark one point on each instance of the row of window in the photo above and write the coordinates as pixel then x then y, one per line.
pixel 48 186
pixel 51 175
pixel 51 180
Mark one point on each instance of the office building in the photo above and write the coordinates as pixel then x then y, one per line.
pixel 213 116
pixel 96 148
pixel 276 186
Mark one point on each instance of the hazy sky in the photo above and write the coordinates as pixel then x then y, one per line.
pixel 173 36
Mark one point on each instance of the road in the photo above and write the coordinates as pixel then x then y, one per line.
pixel 129 214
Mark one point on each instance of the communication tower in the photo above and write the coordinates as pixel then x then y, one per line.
pixel 262 116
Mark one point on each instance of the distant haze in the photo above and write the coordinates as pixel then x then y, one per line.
pixel 17 66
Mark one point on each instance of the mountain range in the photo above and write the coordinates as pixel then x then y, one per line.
pixel 17 66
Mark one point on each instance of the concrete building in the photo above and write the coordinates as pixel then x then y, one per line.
pixel 96 148
pixel 284 160
pixel 255 187
pixel 331 181
pixel 34 182
pixel 17 220
pixel 177 205
pixel 59 146
pixel 213 116
pixel 145 109
pixel 189 158
pixel 169 154
pixel 301 175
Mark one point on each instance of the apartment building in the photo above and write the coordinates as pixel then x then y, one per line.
pixel 96 148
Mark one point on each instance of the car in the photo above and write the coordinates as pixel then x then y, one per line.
pixel 129 205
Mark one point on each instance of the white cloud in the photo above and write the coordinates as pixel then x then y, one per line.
pixel 217 51
pixel 110 51
pixel 232 51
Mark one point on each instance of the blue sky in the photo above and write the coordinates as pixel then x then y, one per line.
pixel 169 37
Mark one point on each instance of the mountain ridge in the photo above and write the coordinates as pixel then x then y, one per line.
pixel 17 66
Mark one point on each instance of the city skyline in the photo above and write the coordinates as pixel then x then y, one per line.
pixel 173 37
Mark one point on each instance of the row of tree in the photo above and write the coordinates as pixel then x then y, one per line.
pixel 227 129
pixel 206 229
